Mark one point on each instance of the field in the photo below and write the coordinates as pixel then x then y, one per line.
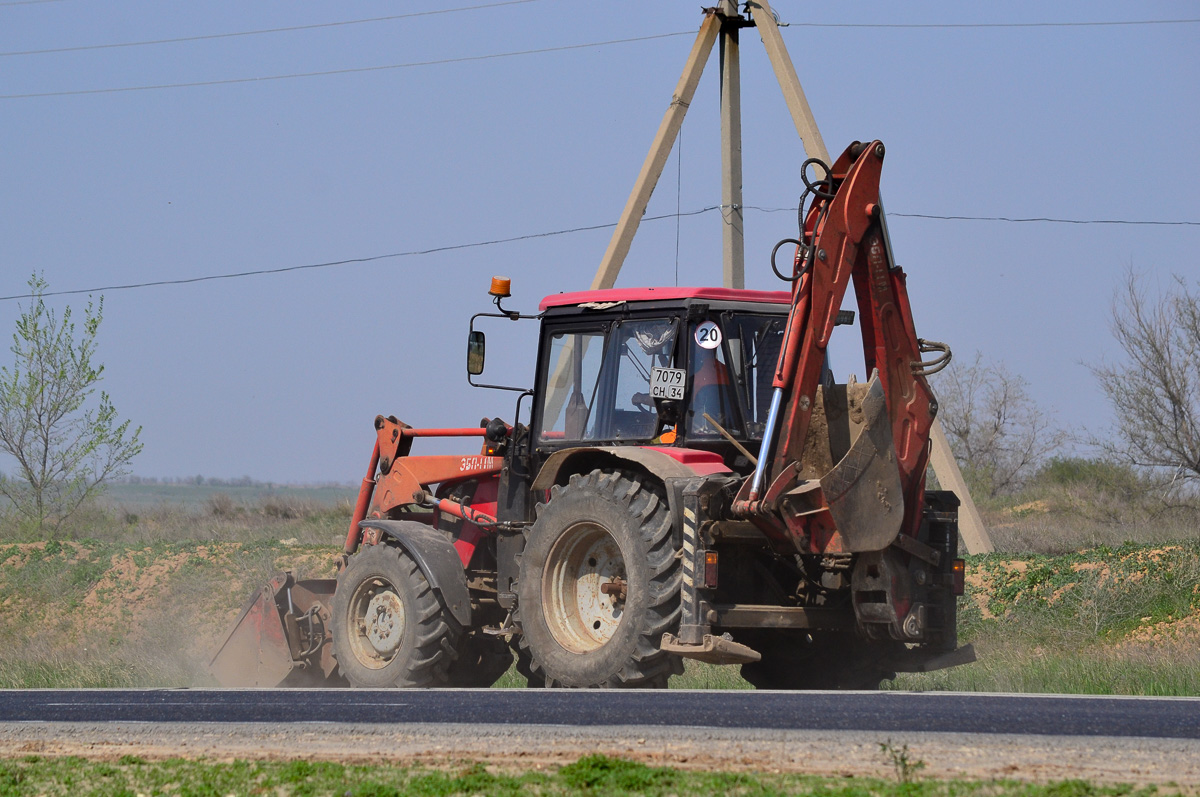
pixel 1088 594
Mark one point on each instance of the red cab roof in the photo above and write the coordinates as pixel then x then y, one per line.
pixel 665 294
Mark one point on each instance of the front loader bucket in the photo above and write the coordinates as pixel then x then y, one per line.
pixel 281 637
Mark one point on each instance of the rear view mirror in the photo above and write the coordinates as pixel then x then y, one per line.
pixel 476 347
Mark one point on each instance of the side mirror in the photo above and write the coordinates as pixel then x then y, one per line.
pixel 476 346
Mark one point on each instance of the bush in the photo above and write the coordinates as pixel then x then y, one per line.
pixel 1111 477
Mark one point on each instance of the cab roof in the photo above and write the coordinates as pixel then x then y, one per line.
pixel 664 294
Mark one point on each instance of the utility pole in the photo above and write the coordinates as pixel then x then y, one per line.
pixel 733 239
pixel 724 21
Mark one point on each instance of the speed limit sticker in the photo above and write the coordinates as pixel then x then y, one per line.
pixel 708 335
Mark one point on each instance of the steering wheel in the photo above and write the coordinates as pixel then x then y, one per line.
pixel 643 402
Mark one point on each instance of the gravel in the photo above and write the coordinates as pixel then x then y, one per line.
pixel 1102 760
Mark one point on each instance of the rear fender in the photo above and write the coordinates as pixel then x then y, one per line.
pixel 437 558
pixel 665 463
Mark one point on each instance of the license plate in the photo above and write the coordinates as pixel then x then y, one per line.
pixel 667 383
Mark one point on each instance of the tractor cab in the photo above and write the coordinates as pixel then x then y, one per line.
pixel 685 367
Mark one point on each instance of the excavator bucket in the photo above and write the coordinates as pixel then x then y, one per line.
pixel 281 637
pixel 862 491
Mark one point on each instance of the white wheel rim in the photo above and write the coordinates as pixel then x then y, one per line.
pixel 377 621
pixel 580 615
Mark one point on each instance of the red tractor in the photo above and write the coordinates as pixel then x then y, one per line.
pixel 690 481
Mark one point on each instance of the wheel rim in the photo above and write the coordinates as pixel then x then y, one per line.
pixel 376 623
pixel 584 590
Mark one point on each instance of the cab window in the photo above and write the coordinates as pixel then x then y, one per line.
pixel 598 381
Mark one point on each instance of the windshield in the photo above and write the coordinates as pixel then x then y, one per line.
pixel 732 367
pixel 598 381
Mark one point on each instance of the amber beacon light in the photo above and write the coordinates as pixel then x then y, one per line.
pixel 500 287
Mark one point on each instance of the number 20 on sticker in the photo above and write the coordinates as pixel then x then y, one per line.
pixel 708 335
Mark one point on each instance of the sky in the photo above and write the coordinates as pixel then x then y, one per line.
pixel 279 376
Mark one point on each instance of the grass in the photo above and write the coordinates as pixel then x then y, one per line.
pixel 1101 621
pixel 593 774
pixel 227 513
pixel 143 601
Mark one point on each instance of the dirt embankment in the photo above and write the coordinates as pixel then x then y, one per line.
pixel 93 614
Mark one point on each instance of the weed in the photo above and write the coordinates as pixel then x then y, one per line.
pixel 615 774
pixel 904 764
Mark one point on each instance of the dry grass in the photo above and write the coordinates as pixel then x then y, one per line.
pixel 143 594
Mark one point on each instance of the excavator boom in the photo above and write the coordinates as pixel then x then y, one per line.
pixel 862 499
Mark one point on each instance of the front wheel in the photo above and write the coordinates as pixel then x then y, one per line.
pixel 599 585
pixel 389 628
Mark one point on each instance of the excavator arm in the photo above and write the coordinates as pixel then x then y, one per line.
pixel 842 468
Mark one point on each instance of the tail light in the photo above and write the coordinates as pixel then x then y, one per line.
pixel 710 569
pixel 959 571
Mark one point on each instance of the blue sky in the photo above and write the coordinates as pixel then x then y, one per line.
pixel 280 376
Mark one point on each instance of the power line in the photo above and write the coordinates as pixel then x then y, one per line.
pixel 253 32
pixel 551 234
pixel 291 28
pixel 409 65
pixel 1046 220
pixel 355 260
pixel 1014 220
pixel 918 25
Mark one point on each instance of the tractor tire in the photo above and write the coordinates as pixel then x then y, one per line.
pixel 389 628
pixel 803 661
pixel 599 584
pixel 481 660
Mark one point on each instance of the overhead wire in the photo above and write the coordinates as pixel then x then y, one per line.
pixel 532 236
pixel 438 62
pixel 288 29
pixel 351 70
pixel 355 260
pixel 1044 219
pixel 1012 219
pixel 936 25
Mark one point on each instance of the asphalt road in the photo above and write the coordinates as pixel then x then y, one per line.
pixel 1161 718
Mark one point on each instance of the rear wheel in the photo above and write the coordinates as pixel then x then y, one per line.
pixel 389 628
pixel 599 585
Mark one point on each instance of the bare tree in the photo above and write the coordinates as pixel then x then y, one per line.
pixel 997 431
pixel 66 441
pixel 1155 392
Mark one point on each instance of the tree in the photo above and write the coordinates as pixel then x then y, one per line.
pixel 66 443
pixel 1155 392
pixel 997 431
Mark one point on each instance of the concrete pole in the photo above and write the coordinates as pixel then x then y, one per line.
pixel 971 530
pixel 973 533
pixel 643 187
pixel 732 213
pixel 660 150
pixel 785 73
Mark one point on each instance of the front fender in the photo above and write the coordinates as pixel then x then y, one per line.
pixel 435 555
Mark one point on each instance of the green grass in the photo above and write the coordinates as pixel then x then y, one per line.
pixel 591 775
pixel 1082 623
